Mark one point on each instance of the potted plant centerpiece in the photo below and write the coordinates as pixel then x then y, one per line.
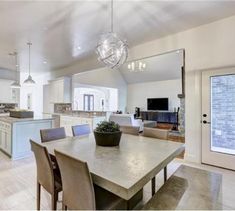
pixel 107 134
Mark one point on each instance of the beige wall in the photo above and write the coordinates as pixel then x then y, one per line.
pixel 138 93
pixel 207 47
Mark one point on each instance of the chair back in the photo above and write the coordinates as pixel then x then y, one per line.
pixel 81 130
pixel 133 130
pixel 155 133
pixel 52 134
pixel 45 174
pixel 78 190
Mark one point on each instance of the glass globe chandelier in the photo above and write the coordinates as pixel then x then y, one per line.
pixel 29 80
pixel 112 51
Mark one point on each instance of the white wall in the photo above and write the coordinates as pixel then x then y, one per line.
pixel 98 96
pixel 138 93
pixel 36 91
pixel 6 91
pixel 106 78
pixel 207 47
pixel 8 74
pixel 109 95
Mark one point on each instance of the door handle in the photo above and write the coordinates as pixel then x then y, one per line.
pixel 205 122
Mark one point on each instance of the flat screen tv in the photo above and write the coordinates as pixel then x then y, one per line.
pixel 157 104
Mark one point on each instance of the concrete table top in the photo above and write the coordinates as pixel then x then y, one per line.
pixel 122 170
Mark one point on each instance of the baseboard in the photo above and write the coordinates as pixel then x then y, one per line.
pixel 191 158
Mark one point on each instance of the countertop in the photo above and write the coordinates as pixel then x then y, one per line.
pixel 75 115
pixel 12 120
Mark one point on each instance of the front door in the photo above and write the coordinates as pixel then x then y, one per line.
pixel 218 118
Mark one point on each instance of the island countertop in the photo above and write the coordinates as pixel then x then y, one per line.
pixel 12 120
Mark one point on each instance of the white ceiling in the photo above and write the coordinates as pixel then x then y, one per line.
pixel 158 68
pixel 57 28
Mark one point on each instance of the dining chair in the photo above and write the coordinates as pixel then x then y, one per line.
pixel 47 177
pixel 52 134
pixel 155 133
pixel 81 130
pixel 158 134
pixel 133 130
pixel 79 193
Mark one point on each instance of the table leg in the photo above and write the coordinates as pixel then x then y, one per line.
pixel 165 174
pixel 153 186
pixel 134 201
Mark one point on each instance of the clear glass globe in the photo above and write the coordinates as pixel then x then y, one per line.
pixel 112 50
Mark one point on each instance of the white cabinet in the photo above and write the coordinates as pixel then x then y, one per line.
pixel 68 121
pixel 57 91
pixel 5 137
pixel 60 91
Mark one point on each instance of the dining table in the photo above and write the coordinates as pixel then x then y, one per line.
pixel 125 169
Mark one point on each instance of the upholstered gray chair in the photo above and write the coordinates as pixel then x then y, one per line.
pixel 79 193
pixel 47 177
pixel 158 134
pixel 81 130
pixel 52 134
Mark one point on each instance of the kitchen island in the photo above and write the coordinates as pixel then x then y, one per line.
pixel 15 134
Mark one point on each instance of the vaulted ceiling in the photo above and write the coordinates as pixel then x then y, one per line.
pixel 64 32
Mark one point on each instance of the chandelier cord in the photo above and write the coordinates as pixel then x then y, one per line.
pixel 16 61
pixel 29 44
pixel 112 16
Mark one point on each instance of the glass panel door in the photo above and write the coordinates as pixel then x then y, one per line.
pixel 218 118
pixel 223 114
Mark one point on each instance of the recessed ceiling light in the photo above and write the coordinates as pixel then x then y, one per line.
pixel 178 51
pixel 79 47
pixel 44 62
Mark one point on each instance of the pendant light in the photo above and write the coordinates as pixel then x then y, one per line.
pixel 112 51
pixel 16 83
pixel 29 80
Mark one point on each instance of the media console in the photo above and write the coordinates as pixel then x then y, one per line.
pixel 160 116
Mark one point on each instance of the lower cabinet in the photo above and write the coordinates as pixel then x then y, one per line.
pixel 68 121
pixel 5 137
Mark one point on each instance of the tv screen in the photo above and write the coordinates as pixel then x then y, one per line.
pixel 157 104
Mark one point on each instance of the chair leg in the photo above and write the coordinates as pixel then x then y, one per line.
pixel 64 207
pixel 153 185
pixel 38 195
pixel 165 174
pixel 54 199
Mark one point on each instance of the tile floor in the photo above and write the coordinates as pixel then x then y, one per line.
pixel 18 184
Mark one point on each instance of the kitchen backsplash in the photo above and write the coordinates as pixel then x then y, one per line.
pixel 66 108
pixel 5 107
pixel 62 107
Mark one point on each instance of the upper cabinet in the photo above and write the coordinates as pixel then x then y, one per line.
pixel 57 91
pixel 60 91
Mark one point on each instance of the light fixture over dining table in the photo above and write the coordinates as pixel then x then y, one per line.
pixel 112 50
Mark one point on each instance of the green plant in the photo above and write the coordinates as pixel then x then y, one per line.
pixel 106 126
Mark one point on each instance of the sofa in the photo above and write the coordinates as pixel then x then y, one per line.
pixel 126 120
